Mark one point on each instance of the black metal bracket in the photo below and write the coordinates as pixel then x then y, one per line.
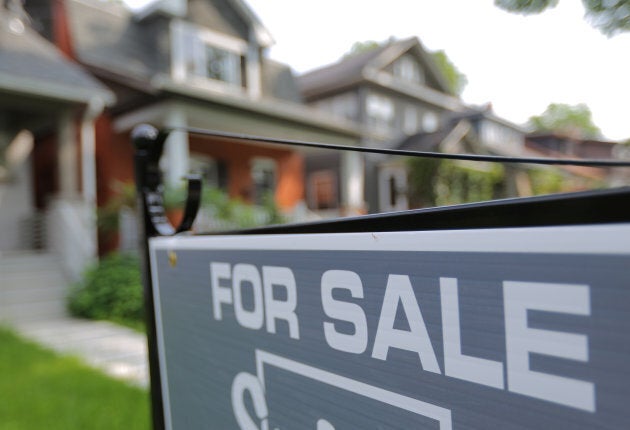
pixel 149 145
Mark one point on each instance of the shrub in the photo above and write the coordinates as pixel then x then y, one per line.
pixel 234 213
pixel 111 290
pixel 446 182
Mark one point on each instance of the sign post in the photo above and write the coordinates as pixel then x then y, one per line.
pixel 149 143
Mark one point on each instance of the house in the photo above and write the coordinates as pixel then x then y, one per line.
pixel 48 108
pixel 392 91
pixel 475 130
pixel 401 100
pixel 185 64
pixel 551 144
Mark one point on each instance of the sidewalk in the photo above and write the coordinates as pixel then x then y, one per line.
pixel 118 351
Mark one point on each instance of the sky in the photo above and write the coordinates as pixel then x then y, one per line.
pixel 520 64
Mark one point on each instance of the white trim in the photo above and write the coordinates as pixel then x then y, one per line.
pixel 420 92
pixel 263 36
pixel 48 89
pixel 600 239
pixel 187 44
pixel 166 401
pixel 352 182
pixel 220 40
pixel 176 148
pixel 299 114
pixel 88 169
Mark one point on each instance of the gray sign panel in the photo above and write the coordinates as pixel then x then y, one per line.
pixel 477 329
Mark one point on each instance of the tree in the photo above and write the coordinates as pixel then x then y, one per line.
pixel 573 121
pixel 608 16
pixel 360 47
pixel 456 80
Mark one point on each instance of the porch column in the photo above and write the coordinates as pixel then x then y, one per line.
pixel 88 169
pixel 352 183
pixel 176 151
pixel 88 160
pixel 253 73
pixel 67 153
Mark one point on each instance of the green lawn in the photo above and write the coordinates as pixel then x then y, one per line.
pixel 42 390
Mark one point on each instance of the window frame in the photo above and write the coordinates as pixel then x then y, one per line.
pixel 189 56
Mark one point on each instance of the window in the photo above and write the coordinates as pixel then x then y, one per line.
pixel 322 190
pixel 222 65
pixel 213 172
pixel 201 53
pixel 263 171
pixel 380 111
pixel 430 122
pixel 408 69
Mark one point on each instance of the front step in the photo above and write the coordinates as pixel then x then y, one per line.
pixel 32 288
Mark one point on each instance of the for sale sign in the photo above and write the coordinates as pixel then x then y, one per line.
pixel 471 329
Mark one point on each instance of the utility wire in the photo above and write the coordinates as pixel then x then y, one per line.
pixel 407 153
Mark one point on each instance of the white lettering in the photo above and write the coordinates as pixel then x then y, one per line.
pixel 456 364
pixel 417 338
pixel 247 382
pixel 248 273
pixel 521 340
pixel 218 272
pixel 355 343
pixel 280 309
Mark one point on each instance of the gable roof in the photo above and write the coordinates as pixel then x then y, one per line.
pixel 106 36
pixel 345 72
pixel 179 8
pixel 31 65
pixel 360 68
pixel 109 38
pixel 457 136
pixel 479 113
pixel 260 32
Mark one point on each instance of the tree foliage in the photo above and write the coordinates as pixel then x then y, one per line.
pixel 361 47
pixel 445 182
pixel 456 80
pixel 110 290
pixel 608 16
pixel 570 120
pixel 526 7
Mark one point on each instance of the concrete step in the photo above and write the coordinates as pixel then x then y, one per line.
pixel 47 279
pixel 18 262
pixel 14 313
pixel 32 287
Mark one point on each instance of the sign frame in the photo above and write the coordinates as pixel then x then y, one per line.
pixel 605 208
pixel 602 239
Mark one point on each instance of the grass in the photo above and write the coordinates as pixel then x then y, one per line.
pixel 42 390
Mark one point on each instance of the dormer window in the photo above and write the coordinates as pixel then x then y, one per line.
pixel 204 57
pixel 222 65
pixel 408 69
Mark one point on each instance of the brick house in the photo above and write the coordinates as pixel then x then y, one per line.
pixel 183 64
